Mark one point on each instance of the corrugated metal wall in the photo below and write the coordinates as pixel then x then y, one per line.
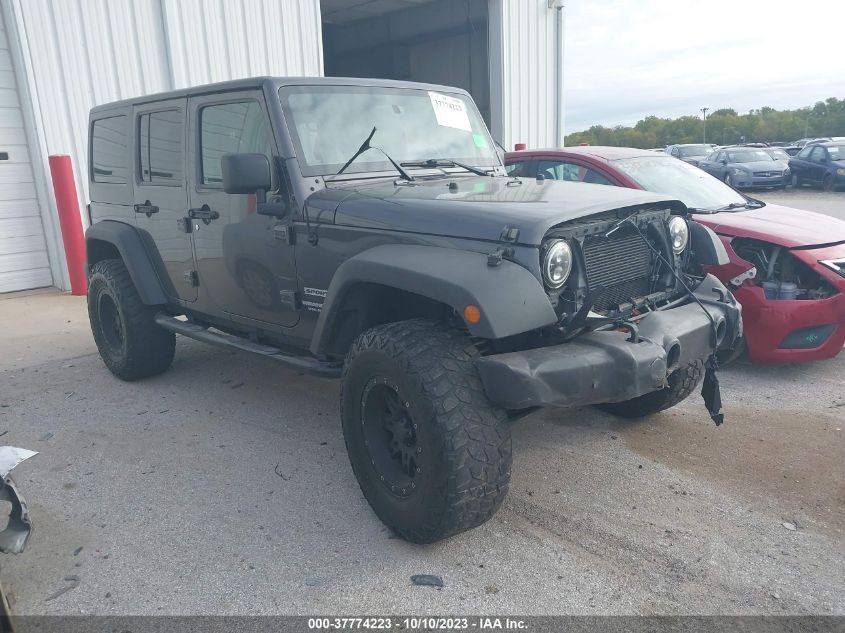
pixel 23 253
pixel 522 72
pixel 76 54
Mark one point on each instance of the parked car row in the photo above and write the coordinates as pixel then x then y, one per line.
pixel 787 266
pixel 818 162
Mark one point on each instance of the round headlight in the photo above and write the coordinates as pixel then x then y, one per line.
pixel 679 234
pixel 557 264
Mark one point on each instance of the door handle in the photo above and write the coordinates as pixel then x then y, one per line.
pixel 204 213
pixel 147 208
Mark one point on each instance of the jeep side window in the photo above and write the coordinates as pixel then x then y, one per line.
pixel 109 145
pixel 231 128
pixel 160 140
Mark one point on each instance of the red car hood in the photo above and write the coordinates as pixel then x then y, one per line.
pixel 776 224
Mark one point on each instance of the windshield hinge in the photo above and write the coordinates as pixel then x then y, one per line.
pixel 509 234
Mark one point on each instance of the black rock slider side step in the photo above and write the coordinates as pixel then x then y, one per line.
pixel 301 363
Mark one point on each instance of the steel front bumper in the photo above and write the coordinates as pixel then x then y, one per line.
pixel 606 366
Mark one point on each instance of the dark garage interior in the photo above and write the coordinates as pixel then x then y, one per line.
pixel 433 41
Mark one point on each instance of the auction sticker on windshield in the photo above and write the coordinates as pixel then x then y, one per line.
pixel 450 111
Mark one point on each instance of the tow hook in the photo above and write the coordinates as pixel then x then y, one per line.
pixel 711 392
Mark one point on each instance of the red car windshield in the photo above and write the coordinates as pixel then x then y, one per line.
pixel 695 188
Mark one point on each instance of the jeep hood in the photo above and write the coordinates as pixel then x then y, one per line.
pixel 476 207
pixel 779 225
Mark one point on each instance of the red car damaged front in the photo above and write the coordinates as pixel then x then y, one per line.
pixel 788 271
pixel 793 302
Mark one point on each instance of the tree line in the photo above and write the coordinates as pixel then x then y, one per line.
pixel 724 126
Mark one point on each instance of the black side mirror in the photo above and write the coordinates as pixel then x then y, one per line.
pixel 246 173
pixel 724 161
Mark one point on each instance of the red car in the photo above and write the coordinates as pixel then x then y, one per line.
pixel 787 266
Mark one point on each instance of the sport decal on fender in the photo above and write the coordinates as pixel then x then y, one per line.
pixel 313 306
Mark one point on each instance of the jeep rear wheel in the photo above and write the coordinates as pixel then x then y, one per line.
pixel 130 343
pixel 431 454
pixel 681 383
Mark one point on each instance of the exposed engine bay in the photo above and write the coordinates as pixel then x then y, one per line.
pixel 779 273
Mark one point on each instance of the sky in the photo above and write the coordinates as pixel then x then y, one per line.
pixel 628 59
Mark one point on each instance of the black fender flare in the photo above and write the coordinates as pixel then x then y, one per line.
pixel 510 298
pixel 127 240
pixel 706 246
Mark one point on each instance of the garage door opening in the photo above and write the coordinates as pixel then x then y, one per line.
pixel 432 41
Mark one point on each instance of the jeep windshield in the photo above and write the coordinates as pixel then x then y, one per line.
pixel 413 126
pixel 695 188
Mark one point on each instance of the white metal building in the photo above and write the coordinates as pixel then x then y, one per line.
pixel 59 58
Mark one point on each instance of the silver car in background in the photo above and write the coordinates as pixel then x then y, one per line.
pixel 692 153
pixel 744 167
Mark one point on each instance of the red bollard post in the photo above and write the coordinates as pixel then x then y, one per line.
pixel 61 170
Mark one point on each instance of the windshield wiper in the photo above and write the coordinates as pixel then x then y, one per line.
pixel 751 203
pixel 447 162
pixel 366 146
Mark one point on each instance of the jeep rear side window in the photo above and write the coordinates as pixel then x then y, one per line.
pixel 109 146
pixel 231 128
pixel 160 147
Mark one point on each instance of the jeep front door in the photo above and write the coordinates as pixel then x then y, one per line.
pixel 246 267
pixel 161 193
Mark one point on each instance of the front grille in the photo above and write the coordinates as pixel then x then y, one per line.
pixel 621 263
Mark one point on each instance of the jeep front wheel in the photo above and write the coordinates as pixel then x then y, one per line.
pixel 431 454
pixel 130 343
pixel 680 384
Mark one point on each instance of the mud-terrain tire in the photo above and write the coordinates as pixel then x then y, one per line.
pixel 431 454
pixel 130 343
pixel 682 382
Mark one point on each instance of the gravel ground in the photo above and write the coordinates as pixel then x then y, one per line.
pixel 223 487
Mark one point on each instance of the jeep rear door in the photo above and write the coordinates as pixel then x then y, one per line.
pixel 246 265
pixel 161 192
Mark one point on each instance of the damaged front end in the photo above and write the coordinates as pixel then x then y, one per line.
pixel 633 306
pixel 793 299
pixel 15 523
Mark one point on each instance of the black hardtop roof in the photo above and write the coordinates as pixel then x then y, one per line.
pixel 274 83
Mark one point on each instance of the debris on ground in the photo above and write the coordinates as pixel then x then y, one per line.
pixel 426 580
pixel 279 472
pixel 789 526
pixel 74 583
pixel 16 524
pixel 45 437
pixel 313 582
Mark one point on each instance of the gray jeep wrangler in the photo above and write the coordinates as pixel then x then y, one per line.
pixel 366 230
